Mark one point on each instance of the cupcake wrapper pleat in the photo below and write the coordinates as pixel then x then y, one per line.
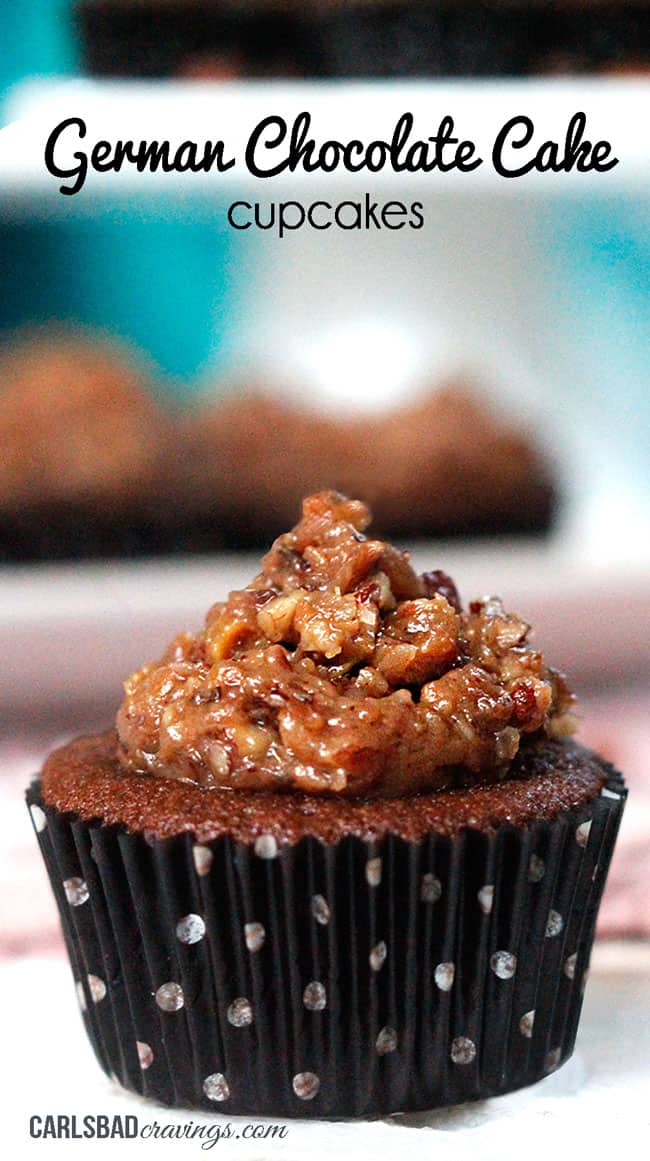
pixel 314 980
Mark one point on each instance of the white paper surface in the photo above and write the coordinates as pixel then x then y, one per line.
pixel 596 1105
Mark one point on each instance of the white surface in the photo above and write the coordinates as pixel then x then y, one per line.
pixel 592 1108
pixel 342 111
pixel 74 632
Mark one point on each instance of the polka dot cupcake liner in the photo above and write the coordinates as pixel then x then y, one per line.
pixel 313 980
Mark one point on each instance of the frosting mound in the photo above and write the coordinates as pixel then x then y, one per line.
pixel 340 670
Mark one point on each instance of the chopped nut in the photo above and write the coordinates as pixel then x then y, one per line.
pixel 275 618
pixel 340 671
pixel 419 641
pixel 251 741
pixel 219 759
pixel 437 581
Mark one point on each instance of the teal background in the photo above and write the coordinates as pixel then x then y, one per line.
pixel 157 272
pixel 37 38
pixel 166 274
pixel 163 281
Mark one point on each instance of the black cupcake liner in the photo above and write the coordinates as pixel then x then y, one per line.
pixel 359 978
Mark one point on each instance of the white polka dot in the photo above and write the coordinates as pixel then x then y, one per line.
pixel 320 909
pixel 582 833
pixel 145 1054
pixel 378 955
pixel 216 1087
pixel 386 1041
pixel 240 1012
pixel 373 872
pixel 190 929
pixel 254 934
pixel 430 888
pixel 552 1059
pixel 554 924
pixel 203 859
pixel 536 869
pixel 503 964
pixel 97 988
pixel 526 1023
pixel 306 1085
pixel 463 1050
pixel 81 995
pixel 570 966
pixel 314 996
pixel 76 891
pixel 444 976
pixel 169 997
pixel 266 846
pixel 486 898
pixel 38 817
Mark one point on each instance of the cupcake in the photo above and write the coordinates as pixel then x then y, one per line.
pixel 340 855
pixel 447 464
pixel 356 38
pixel 84 442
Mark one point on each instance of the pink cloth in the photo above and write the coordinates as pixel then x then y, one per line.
pixel 618 727
pixel 615 724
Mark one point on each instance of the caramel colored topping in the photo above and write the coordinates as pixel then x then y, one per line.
pixel 84 777
pixel 340 670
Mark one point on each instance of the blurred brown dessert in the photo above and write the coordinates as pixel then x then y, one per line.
pixel 445 465
pixel 218 39
pixel 83 443
pixel 94 466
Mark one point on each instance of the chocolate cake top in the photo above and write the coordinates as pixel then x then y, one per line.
pixel 84 777
pixel 339 670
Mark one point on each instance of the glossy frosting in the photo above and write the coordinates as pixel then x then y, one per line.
pixel 339 670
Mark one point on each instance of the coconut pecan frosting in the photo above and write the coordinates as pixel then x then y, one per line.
pixel 340 670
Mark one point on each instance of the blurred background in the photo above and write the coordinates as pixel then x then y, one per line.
pixel 494 365
pixel 169 389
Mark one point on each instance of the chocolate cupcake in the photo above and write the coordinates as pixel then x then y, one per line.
pixel 358 38
pixel 340 856
pixel 447 464
pixel 86 448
